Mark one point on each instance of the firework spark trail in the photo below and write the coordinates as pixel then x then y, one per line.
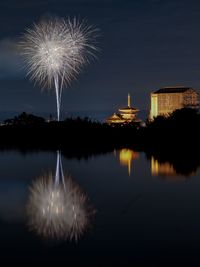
pixel 59 175
pixel 56 50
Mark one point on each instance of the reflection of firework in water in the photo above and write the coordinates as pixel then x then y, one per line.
pixel 58 212
pixel 55 50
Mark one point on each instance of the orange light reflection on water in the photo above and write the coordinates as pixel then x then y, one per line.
pixel 126 156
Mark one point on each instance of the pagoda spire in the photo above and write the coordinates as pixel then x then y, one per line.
pixel 129 100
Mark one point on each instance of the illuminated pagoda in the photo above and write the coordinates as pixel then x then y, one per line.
pixel 124 115
pixel 166 100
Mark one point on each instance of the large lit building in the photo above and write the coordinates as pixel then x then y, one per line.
pixel 165 100
pixel 124 115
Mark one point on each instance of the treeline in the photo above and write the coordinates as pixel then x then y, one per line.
pixel 27 131
pixel 179 130
pixel 173 139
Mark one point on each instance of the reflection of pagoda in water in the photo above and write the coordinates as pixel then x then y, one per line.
pixel 126 156
pixel 124 115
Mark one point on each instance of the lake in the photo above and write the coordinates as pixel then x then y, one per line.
pixel 136 211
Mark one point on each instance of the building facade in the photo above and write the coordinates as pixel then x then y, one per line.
pixel 166 100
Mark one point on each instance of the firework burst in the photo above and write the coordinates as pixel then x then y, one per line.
pixel 55 51
pixel 58 212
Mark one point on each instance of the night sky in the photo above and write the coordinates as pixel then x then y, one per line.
pixel 144 45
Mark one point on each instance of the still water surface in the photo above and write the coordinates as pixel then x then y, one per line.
pixel 145 213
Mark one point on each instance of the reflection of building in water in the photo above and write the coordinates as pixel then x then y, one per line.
pixel 173 172
pixel 166 100
pixel 164 169
pixel 57 207
pixel 126 156
pixel 124 115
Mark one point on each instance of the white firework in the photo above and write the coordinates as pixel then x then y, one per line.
pixel 55 50
pixel 58 212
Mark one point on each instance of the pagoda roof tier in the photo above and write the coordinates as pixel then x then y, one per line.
pixel 115 118
pixel 129 110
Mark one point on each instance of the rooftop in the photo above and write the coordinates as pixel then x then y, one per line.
pixel 174 89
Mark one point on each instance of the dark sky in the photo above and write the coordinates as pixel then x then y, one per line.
pixel 144 45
